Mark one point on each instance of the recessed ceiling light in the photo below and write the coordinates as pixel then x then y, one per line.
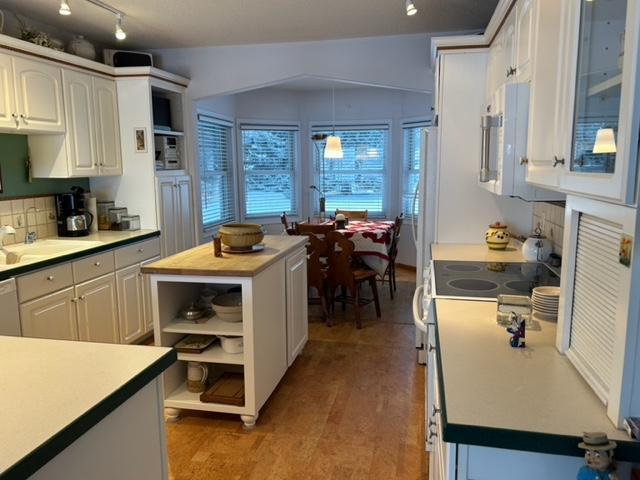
pixel 64 8
pixel 411 8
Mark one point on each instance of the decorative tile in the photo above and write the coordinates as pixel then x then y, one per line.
pixel 17 206
pixel 6 220
pixel 20 234
pixel 18 220
pixel 41 217
pixel 41 203
pixel 51 203
pixel 51 216
pixel 5 207
pixel 42 231
pixel 52 230
pixel 29 202
pixel 31 219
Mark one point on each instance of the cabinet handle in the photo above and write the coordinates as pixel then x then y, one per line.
pixel 557 161
pixel 140 250
pixel 432 434
pixel 524 160
pixel 434 410
pixel 15 119
pixel 82 297
pixel 24 117
pixel 50 278
pixel 431 348
pixel 97 264
pixel 431 424
pixel 74 300
pixel 511 71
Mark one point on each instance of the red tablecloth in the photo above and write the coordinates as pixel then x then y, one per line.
pixel 371 240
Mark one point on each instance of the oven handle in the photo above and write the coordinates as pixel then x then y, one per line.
pixel 417 311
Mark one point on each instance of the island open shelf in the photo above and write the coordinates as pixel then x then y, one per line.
pixel 272 284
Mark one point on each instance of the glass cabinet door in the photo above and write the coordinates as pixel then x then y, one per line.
pixel 598 86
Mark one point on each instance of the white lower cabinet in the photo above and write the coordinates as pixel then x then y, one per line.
pixel 97 308
pixel 146 292
pixel 130 303
pixel 174 198
pixel 297 319
pixel 52 316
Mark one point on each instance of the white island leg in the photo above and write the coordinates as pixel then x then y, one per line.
pixel 249 421
pixel 172 414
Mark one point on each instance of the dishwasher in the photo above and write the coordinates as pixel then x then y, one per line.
pixel 9 316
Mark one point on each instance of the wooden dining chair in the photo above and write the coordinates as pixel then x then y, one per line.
pixel 355 214
pixel 317 272
pixel 390 272
pixel 310 228
pixel 287 228
pixel 344 272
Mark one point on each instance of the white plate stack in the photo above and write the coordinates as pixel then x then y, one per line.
pixel 545 302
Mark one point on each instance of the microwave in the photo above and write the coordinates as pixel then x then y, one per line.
pixel 504 126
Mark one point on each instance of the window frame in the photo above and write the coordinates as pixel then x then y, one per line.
pixel 226 121
pixel 265 124
pixel 372 124
pixel 409 123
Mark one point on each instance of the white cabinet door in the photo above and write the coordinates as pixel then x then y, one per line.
pixel 108 126
pixel 39 96
pixel 51 316
pixel 130 303
pixel 146 291
pixel 509 49
pixel 545 108
pixel 297 319
pixel 81 127
pixel 97 307
pixel 184 222
pixel 524 40
pixel 167 215
pixel 8 115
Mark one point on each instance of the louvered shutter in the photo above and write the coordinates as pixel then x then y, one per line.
pixel 595 301
pixel 216 171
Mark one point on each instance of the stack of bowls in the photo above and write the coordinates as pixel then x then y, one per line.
pixel 545 302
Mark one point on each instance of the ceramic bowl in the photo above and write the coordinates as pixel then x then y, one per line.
pixel 232 344
pixel 228 307
pixel 241 235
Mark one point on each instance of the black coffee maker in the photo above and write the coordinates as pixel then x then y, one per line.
pixel 73 219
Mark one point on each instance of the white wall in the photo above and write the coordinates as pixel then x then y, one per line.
pixel 393 61
pixel 357 104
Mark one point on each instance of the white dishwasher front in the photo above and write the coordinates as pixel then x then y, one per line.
pixel 10 318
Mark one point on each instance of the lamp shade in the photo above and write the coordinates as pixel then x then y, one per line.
pixel 605 141
pixel 333 149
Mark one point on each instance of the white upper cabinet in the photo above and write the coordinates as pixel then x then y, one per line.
pixel 38 91
pixel 525 37
pixel 108 126
pixel 600 146
pixel 8 115
pixel 81 137
pixel 509 45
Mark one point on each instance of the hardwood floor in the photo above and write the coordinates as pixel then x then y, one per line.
pixel 350 407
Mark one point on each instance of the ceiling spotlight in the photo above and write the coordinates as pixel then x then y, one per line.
pixel 120 33
pixel 64 8
pixel 411 8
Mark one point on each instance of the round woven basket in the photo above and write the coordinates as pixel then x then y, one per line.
pixel 241 235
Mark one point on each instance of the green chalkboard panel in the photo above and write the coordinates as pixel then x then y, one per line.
pixel 15 181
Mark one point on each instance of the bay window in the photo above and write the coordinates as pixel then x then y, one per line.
pixel 411 146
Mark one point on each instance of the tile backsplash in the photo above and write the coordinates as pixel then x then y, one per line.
pixel 18 213
pixel 550 217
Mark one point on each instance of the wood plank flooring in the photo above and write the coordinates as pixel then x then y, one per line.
pixel 351 407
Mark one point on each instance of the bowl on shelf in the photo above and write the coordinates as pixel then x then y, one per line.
pixel 241 235
pixel 228 307
pixel 232 344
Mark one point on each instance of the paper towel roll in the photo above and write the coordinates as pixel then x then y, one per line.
pixel 91 206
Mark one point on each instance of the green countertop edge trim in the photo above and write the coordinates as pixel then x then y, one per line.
pixel 74 255
pixel 525 441
pixel 56 444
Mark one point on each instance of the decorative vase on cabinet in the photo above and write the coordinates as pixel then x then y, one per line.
pixel 81 47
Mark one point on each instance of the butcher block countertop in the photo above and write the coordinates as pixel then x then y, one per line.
pixel 201 261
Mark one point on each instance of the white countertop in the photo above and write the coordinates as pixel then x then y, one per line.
pixel 477 252
pixel 100 240
pixel 46 385
pixel 489 384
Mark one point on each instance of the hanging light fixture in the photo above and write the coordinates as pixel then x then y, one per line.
pixel 64 8
pixel 605 141
pixel 333 148
pixel 411 8
pixel 120 33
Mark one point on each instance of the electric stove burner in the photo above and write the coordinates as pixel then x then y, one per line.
pixel 462 267
pixel 474 284
pixel 521 286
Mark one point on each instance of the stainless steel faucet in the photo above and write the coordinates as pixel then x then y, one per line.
pixel 30 237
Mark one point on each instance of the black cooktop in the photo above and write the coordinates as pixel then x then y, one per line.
pixel 488 280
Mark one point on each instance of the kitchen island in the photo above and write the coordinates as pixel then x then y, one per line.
pixel 273 287
pixel 78 410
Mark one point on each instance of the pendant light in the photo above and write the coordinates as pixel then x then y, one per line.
pixel 605 141
pixel 333 149
pixel 64 8
pixel 411 8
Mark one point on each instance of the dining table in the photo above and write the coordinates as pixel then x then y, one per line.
pixel 372 239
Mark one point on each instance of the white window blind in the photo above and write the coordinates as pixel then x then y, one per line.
pixel 595 301
pixel 216 171
pixel 357 181
pixel 410 168
pixel 269 161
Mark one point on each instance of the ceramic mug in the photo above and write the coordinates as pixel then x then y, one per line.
pixel 196 377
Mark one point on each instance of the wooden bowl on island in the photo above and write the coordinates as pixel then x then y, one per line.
pixel 241 235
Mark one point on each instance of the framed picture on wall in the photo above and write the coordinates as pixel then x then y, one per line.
pixel 141 140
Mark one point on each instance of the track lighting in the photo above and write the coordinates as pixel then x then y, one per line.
pixel 411 8
pixel 64 8
pixel 120 33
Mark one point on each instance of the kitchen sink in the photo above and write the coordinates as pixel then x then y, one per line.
pixel 41 250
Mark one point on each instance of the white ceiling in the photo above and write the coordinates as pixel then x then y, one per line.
pixel 189 23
